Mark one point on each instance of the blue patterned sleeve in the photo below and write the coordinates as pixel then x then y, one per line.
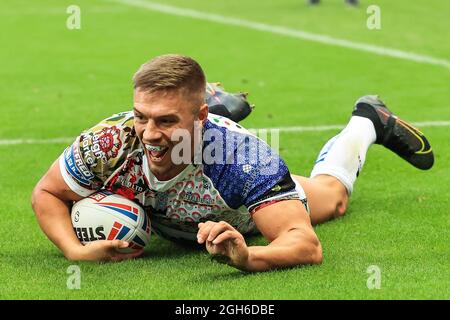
pixel 251 173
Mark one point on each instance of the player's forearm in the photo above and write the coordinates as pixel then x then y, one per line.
pixel 296 247
pixel 54 219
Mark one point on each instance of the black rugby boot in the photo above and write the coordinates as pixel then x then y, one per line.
pixel 395 134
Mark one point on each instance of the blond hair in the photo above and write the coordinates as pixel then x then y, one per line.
pixel 172 73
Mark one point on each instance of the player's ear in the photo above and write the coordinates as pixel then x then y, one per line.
pixel 203 113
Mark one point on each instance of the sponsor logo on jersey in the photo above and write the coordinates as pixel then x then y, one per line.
pixel 75 165
pixel 196 198
pixel 87 150
pixel 133 186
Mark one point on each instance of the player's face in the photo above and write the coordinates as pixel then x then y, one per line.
pixel 157 116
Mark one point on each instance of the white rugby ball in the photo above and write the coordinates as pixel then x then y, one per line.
pixel 108 216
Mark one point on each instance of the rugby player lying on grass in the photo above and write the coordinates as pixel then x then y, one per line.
pixel 212 202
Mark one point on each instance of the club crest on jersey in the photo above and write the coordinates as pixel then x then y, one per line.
pixel 108 141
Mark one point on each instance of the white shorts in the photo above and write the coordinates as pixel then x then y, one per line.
pixel 301 194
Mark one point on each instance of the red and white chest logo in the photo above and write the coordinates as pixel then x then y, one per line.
pixel 106 142
pixel 109 142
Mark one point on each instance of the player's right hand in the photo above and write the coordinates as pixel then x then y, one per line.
pixel 224 243
pixel 106 250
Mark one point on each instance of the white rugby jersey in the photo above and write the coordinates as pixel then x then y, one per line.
pixel 110 157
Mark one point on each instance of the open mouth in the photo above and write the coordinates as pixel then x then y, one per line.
pixel 156 153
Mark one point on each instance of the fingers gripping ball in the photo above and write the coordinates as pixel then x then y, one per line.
pixel 234 106
pixel 108 216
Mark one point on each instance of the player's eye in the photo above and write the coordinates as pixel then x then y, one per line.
pixel 167 121
pixel 138 117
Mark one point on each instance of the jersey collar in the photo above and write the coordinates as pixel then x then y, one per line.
pixel 157 185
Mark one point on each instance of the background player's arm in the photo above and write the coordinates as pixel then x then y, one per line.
pixel 285 224
pixel 51 201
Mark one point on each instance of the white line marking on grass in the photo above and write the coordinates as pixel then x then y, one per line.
pixel 341 126
pixel 306 128
pixel 217 18
pixel 9 142
pixel 63 140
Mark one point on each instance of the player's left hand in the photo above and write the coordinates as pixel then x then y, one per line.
pixel 225 243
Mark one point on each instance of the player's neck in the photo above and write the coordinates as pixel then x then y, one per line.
pixel 168 174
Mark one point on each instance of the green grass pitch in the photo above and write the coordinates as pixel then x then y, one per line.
pixel 55 82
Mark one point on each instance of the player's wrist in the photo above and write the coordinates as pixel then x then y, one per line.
pixel 75 252
pixel 255 262
pixel 243 263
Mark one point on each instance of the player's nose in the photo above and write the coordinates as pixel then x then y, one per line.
pixel 151 133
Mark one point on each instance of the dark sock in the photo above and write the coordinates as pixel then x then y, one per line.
pixel 367 111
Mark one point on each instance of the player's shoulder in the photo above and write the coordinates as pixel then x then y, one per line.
pixel 110 140
pixel 98 152
pixel 239 164
pixel 233 144
pixel 225 125
pixel 119 127
pixel 123 121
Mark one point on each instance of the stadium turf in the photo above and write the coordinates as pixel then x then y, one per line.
pixel 55 82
